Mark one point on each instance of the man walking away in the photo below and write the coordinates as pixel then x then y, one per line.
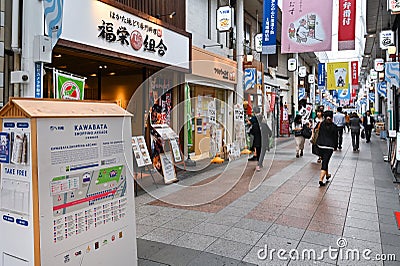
pixel 355 126
pixel 368 123
pixel 340 121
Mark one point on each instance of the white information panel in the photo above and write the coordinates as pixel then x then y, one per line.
pixel 86 191
pixel 16 212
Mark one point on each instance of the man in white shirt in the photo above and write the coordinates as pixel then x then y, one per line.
pixel 339 119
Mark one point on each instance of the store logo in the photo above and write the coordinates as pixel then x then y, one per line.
pixel 56 128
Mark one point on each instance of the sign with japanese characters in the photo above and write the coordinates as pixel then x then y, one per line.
pixel 224 18
pixel 354 73
pixel 269 26
pixel 386 38
pixel 106 27
pixel 394 6
pixel 347 25
pixel 306 26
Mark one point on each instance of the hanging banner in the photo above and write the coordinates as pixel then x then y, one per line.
pixel 53 14
pixel 344 95
pixel 68 86
pixel 392 73
pixel 321 74
pixel 269 26
pixel 188 107
pixel 302 93
pixel 306 26
pixel 354 73
pixel 338 77
pixel 250 75
pixel 371 97
pixel 382 89
pixel 347 25
pixel 386 38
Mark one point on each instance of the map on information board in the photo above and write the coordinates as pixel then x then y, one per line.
pixel 140 151
pixel 78 191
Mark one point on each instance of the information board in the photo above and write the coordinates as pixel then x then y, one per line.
pixel 168 168
pixel 86 190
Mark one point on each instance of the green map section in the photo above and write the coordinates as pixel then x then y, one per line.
pixel 59 178
pixel 109 174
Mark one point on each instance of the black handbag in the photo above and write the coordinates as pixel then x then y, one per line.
pixel 306 132
pixel 298 133
pixel 315 150
pixel 363 134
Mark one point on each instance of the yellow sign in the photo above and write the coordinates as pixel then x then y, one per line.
pixel 338 75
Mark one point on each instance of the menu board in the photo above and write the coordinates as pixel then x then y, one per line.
pixel 175 150
pixel 165 132
pixel 140 151
pixel 168 168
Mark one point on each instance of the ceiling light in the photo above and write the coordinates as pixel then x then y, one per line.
pixel 62 67
pixel 57 55
pixel 93 75
pixel 112 73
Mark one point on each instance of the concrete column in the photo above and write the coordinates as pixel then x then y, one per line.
pixel 32 25
pixel 239 48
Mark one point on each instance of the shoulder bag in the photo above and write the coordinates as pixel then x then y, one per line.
pixel 314 137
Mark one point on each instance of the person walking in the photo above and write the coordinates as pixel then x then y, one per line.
pixel 327 141
pixel 347 121
pixel 355 126
pixel 266 133
pixel 368 123
pixel 256 132
pixel 297 126
pixel 318 119
pixel 340 121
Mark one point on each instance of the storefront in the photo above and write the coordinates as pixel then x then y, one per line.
pixel 211 87
pixel 126 57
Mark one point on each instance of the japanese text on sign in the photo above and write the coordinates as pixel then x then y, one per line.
pixel 346 11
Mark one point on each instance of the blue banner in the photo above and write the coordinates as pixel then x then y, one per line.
pixel 38 80
pixel 392 70
pixel 344 94
pixel 53 13
pixel 302 93
pixel 371 97
pixel 250 76
pixel 269 27
pixel 382 89
pixel 321 74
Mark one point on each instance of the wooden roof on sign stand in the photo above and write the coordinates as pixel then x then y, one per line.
pixel 30 108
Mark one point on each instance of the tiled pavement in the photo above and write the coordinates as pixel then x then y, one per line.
pixel 287 211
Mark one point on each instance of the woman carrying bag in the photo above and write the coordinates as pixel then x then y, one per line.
pixel 327 141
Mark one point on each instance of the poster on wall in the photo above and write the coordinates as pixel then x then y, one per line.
pixel 240 136
pixel 168 168
pixel 140 151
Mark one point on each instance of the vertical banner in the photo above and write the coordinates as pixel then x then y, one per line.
pixel 269 26
pixel 321 74
pixel 354 73
pixel 68 86
pixel 188 106
pixel 302 93
pixel 38 80
pixel 306 26
pixel 347 25
pixel 392 73
pixel 338 75
pixel 382 88
pixel 53 13
pixel 250 76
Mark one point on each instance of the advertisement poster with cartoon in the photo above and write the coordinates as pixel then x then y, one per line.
pixel 306 26
pixel 338 75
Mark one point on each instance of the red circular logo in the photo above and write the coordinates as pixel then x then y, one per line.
pixel 136 40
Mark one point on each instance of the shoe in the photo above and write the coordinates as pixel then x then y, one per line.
pixel 354 149
pixel 301 153
pixel 334 149
pixel 254 158
pixel 258 168
pixel 328 177
pixel 297 155
pixel 339 148
pixel 368 141
pixel 319 160
pixel 321 184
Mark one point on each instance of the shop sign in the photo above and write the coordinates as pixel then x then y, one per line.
pixel 379 64
pixel 224 18
pixel 107 27
pixel 225 74
pixel 311 78
pixel 386 38
pixel 394 5
pixel 292 64
pixel 258 42
pixel 302 71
